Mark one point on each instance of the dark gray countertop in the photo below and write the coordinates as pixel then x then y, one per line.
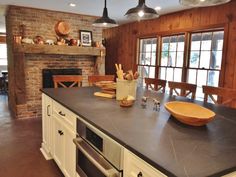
pixel 170 146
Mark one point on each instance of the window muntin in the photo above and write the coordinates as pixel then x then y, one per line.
pixel 172 58
pixel 147 59
pixel 205 59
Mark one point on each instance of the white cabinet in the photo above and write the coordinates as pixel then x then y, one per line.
pixel 47 146
pixel 70 153
pixel 59 130
pixel 136 167
pixel 59 142
pixel 64 148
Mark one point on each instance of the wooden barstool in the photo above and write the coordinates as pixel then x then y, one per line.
pixel 185 89
pixel 155 84
pixel 97 78
pixel 67 81
pixel 227 96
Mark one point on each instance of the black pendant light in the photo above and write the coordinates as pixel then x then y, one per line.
pixel 105 21
pixel 141 12
pixel 199 3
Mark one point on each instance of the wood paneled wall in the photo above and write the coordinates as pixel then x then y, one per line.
pixel 121 42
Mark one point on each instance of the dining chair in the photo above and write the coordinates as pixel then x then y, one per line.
pixel 155 84
pixel 97 78
pixel 225 95
pixel 185 89
pixel 67 81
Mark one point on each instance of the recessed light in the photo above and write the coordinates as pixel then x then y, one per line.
pixel 157 8
pixel 202 0
pixel 72 4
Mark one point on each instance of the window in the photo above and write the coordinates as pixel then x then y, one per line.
pixel 3 54
pixel 205 59
pixel 147 59
pixel 172 58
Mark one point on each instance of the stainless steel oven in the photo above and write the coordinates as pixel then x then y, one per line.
pixel 97 155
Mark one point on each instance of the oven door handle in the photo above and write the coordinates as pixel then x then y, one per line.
pixel 85 148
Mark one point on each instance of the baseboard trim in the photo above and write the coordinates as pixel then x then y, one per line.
pixel 45 153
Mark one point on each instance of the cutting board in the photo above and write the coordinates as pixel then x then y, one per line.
pixel 105 95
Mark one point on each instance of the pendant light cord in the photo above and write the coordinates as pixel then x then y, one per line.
pixel 105 3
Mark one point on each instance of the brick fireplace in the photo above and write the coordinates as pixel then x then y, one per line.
pixel 25 62
pixel 34 64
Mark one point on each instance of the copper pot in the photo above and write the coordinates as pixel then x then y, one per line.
pixel 73 42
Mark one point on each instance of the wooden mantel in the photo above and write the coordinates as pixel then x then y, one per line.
pixel 58 50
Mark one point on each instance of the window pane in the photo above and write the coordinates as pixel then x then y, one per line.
pixel 181 39
pixel 173 43
pixel 147 58
pixel 206 41
pixel 177 74
pixel 199 93
pixel 164 58
pixel 213 78
pixel 153 59
pixel 205 59
pixel 142 58
pixel 162 73
pixel 3 62
pixel 217 40
pixel 192 74
pixel 152 72
pixel 202 77
pixel 148 47
pixel 169 74
pixel 194 60
pixel 180 59
pixel 218 57
pixel 195 44
pixel 3 51
pixel 154 47
pixel 171 61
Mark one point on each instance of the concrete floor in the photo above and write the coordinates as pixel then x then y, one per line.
pixel 20 141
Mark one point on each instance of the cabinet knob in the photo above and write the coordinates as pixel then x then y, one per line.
pixel 62 114
pixel 140 174
pixel 60 132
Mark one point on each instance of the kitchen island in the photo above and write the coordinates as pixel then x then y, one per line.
pixel 171 147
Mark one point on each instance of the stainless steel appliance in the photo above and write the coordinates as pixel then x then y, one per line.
pixel 97 155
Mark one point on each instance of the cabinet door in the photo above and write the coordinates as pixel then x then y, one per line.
pixel 70 153
pixel 58 137
pixel 46 123
pixel 136 167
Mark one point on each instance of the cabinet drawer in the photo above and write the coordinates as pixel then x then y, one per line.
pixel 64 114
pixel 136 167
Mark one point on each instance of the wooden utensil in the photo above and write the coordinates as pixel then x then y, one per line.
pixel 119 71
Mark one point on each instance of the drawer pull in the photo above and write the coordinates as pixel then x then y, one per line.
pixel 62 114
pixel 140 174
pixel 48 110
pixel 60 132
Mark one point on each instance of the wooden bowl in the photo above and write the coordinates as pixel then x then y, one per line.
pixel 126 103
pixel 190 113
